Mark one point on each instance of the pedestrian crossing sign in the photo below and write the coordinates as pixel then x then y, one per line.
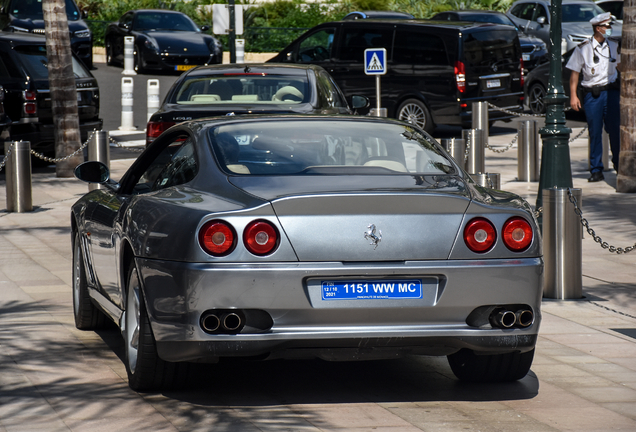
pixel 375 61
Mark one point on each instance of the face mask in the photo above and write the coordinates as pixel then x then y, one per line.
pixel 608 32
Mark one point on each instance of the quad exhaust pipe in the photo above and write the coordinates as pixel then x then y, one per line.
pixel 222 321
pixel 505 318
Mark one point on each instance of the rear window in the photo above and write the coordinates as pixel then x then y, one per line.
pixel 326 147
pixel 34 60
pixel 487 48
pixel 243 89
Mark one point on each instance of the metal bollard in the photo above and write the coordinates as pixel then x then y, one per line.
pixel 240 50
pixel 457 149
pixel 562 249
pixel 480 118
pixel 18 176
pixel 604 155
pixel 153 103
pixel 99 150
pixel 129 56
pixel 487 180
pixel 127 105
pixel 373 112
pixel 528 165
pixel 474 139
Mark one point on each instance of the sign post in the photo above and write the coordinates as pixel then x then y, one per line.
pixel 375 64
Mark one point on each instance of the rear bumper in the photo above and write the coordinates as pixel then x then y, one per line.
pixel 303 324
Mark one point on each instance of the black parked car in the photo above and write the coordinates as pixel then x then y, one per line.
pixel 533 49
pixel 435 70
pixel 164 41
pixel 249 89
pixel 536 85
pixel 5 121
pixel 25 78
pixel 26 16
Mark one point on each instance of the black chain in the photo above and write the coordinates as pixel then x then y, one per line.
pixel 591 232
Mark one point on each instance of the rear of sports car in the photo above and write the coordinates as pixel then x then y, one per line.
pixel 390 255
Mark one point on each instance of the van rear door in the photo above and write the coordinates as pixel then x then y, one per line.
pixel 492 60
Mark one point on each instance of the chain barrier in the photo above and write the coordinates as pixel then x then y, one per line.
pixel 591 232
pixel 537 212
pixel 6 157
pixel 119 145
pixel 505 149
pixel 518 114
pixel 579 135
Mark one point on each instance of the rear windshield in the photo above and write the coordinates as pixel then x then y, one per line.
pixel 34 60
pixel 32 9
pixel 486 48
pixel 326 147
pixel 243 89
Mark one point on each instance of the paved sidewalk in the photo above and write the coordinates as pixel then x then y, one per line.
pixel 56 378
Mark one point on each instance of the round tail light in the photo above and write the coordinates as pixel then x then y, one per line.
pixel 480 235
pixel 260 238
pixel 217 238
pixel 517 234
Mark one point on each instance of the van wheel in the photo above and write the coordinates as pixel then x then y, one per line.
pixel 536 95
pixel 415 112
pixel 468 366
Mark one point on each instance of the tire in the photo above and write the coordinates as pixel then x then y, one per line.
pixel 87 316
pixel 536 94
pixel 146 371
pixel 467 366
pixel 109 53
pixel 415 112
pixel 138 61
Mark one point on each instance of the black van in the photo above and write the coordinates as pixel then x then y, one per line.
pixel 435 69
pixel 26 16
pixel 24 76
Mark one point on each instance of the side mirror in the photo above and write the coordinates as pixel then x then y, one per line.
pixel 541 21
pixel 92 172
pixel 123 25
pixel 359 102
pixel 205 28
pixel 84 14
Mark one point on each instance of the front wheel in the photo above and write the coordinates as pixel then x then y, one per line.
pixel 468 366
pixel 146 371
pixel 415 112
pixel 87 316
pixel 138 60
pixel 536 96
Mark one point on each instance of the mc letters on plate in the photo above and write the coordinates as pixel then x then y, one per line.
pixel 493 83
pixel 371 289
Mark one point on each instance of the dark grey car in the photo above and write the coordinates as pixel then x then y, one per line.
pixel 300 236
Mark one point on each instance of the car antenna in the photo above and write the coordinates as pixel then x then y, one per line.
pixel 247 69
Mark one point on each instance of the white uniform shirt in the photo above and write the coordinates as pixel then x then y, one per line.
pixel 595 73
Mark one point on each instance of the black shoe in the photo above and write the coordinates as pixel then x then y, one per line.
pixel 596 176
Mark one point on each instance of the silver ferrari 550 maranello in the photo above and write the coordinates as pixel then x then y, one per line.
pixel 288 236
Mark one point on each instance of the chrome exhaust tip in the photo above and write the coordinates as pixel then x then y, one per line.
pixel 210 322
pixel 524 318
pixel 503 319
pixel 231 321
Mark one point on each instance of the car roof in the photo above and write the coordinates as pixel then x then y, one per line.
pixel 378 14
pixel 474 11
pixel 255 68
pixel 455 26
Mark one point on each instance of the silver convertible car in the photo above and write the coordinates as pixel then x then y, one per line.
pixel 296 236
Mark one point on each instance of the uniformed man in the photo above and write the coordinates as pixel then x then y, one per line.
pixel 598 58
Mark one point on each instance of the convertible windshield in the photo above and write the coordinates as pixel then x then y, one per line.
pixel 326 147
pixel 242 88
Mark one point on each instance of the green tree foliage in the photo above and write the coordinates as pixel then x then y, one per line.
pixel 270 26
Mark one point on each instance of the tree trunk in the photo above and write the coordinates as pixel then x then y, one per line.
pixel 62 85
pixel 626 180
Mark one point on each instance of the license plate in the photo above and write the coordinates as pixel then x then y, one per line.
pixel 525 57
pixel 183 67
pixel 493 83
pixel 371 289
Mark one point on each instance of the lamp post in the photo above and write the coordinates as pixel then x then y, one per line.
pixel 555 154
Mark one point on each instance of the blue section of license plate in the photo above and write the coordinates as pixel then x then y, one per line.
pixel 371 289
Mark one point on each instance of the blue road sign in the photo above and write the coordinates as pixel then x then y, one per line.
pixel 375 61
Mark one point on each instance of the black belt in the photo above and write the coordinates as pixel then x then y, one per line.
pixel 598 88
